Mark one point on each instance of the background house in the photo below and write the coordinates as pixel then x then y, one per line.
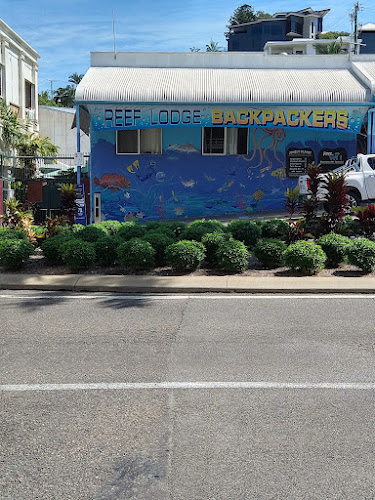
pixel 305 23
pixel 18 75
pixel 367 34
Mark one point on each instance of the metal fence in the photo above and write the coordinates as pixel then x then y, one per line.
pixel 35 181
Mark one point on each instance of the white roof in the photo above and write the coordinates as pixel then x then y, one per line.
pixel 366 70
pixel 218 85
pixel 367 27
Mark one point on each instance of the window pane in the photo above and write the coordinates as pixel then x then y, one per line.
pixel 242 141
pixel 213 140
pixel 232 133
pixel 127 141
pixel 151 140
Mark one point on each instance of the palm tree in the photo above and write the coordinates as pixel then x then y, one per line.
pixel 64 96
pixel 330 48
pixel 213 47
pixel 75 78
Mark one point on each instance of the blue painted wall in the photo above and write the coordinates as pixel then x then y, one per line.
pixel 368 38
pixel 181 182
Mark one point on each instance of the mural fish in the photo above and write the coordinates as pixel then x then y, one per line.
pixel 174 196
pixel 225 186
pixel 208 178
pixel 179 210
pixel 114 182
pixel 258 195
pixel 134 165
pixel 243 186
pixel 188 184
pixel 184 148
pixel 279 172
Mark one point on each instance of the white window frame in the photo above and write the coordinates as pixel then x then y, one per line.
pixel 139 142
pixel 225 143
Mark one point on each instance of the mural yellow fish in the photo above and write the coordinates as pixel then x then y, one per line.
pixel 131 167
pixel 225 186
pixel 174 196
pixel 279 172
pixel 209 179
pixel 258 195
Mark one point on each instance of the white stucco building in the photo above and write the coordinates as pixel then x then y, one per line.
pixel 18 75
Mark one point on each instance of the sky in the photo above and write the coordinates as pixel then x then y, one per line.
pixel 65 32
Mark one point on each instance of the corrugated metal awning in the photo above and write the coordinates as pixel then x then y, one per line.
pixel 209 85
pixel 367 71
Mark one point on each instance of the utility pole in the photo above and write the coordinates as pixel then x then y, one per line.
pixel 356 8
pixel 52 87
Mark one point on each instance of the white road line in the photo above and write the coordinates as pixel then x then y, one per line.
pixel 223 296
pixel 185 385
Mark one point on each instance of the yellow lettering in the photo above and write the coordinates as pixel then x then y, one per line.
pixel 267 116
pixel 304 117
pixel 342 119
pixel 230 118
pixel 318 117
pixel 330 118
pixel 217 117
pixel 293 122
pixel 279 118
pixel 254 117
pixel 245 114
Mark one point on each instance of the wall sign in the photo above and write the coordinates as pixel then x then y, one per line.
pixel 81 206
pixel 297 161
pixel 330 159
pixel 128 116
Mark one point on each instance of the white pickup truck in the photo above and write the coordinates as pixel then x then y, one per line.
pixel 359 176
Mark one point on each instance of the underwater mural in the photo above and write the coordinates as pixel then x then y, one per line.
pixel 181 182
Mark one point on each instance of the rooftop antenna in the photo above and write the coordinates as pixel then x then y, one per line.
pixel 114 34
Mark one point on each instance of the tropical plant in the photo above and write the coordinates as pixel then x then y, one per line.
pixel 213 47
pixel 45 100
pixel 11 129
pixel 65 96
pixel 365 217
pixel 329 48
pixel 75 78
pixel 68 200
pixel 334 199
pixel 33 145
pixel 15 216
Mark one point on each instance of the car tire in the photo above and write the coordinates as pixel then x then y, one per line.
pixel 353 199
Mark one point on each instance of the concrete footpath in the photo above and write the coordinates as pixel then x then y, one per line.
pixel 187 284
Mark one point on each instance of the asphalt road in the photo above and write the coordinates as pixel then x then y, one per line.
pixel 302 427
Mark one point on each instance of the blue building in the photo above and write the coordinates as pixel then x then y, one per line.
pixel 282 26
pixel 177 135
pixel 367 34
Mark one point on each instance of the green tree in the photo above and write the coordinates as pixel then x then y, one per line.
pixel 75 78
pixel 260 14
pixel 245 14
pixel 333 34
pixel 213 47
pixel 44 99
pixel 64 96
pixel 331 48
pixel 11 129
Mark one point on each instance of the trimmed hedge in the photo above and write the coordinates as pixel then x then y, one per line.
pixel 212 242
pixel 110 226
pixel 275 228
pixel 269 252
pixel 136 254
pixel 232 256
pixel 305 256
pixel 52 248
pixel 78 254
pixel 247 231
pixel 361 253
pixel 106 250
pixel 159 242
pixel 129 230
pixel 335 247
pixel 11 234
pixel 185 255
pixel 198 228
pixel 91 233
pixel 14 253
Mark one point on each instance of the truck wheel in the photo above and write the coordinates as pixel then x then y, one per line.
pixel 353 199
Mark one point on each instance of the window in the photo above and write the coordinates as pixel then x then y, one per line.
pixel 1 81
pixel 29 95
pixel 97 208
pixel 225 141
pixel 141 141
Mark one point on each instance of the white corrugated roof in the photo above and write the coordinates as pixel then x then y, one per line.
pixel 210 85
pixel 366 70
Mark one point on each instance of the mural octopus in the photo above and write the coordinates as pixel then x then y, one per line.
pixel 277 135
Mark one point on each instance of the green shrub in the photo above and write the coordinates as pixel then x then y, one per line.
pixel 269 251
pixel 173 229
pixel 275 228
pixel 129 230
pixel 111 226
pixel 247 231
pixel 159 242
pixel 212 242
pixel 136 254
pixel 305 256
pixel 349 227
pixel 335 247
pixel 106 250
pixel 52 248
pixel 78 254
pixel 11 234
pixel 14 253
pixel 185 255
pixel 361 253
pixel 198 228
pixel 232 256
pixel 91 233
